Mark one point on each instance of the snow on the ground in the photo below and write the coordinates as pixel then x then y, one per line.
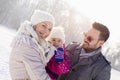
pixel 6 36
pixel 115 75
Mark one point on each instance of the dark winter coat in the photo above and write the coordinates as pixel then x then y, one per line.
pixel 93 68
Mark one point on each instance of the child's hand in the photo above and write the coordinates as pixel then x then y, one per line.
pixel 59 54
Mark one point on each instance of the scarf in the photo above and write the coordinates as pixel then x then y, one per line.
pixel 84 54
pixel 26 34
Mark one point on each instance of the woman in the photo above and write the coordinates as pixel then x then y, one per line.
pixel 30 50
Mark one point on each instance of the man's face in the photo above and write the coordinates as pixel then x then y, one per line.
pixel 91 40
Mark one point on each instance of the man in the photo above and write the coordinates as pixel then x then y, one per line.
pixel 87 60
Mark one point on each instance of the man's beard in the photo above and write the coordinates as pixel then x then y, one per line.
pixel 87 48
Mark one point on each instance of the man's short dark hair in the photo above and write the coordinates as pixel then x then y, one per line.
pixel 104 32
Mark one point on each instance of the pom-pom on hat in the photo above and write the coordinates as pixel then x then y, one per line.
pixel 40 16
pixel 57 32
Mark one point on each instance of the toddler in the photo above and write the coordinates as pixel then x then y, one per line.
pixel 60 62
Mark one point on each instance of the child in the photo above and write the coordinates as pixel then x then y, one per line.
pixel 60 62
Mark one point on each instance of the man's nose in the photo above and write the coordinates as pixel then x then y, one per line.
pixel 85 38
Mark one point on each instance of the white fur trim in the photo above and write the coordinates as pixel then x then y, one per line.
pixel 23 37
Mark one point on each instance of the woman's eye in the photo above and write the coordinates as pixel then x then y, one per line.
pixel 44 26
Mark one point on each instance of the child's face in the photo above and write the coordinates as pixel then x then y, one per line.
pixel 57 42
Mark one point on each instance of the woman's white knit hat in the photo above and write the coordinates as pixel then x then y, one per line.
pixel 40 16
pixel 57 32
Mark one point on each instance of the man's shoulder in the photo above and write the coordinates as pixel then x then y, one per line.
pixel 106 61
pixel 73 45
pixel 103 61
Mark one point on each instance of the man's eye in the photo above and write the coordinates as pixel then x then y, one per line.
pixel 49 29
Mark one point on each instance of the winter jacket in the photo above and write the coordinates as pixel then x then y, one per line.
pixel 28 58
pixel 95 67
pixel 54 68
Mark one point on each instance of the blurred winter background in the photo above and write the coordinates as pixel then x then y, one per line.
pixel 74 15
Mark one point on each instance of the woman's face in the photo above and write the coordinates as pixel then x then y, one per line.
pixel 44 28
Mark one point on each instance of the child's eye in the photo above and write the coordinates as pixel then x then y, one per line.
pixel 53 39
pixel 59 40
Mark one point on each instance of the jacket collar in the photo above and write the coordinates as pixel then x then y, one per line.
pixel 88 61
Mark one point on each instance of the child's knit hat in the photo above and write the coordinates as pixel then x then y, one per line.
pixel 57 32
